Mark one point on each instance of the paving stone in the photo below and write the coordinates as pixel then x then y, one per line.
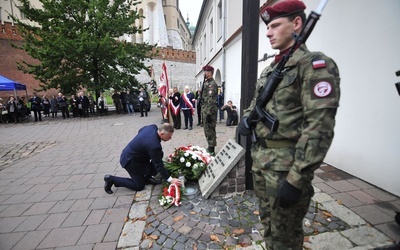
pixel 14 210
pixel 93 234
pixel 113 232
pixel 372 214
pixel 8 240
pixel 342 185
pixel 344 213
pixel 131 234
pixel 380 195
pixel 32 239
pixel 62 206
pixel 328 241
pixel 61 237
pixel 82 205
pixel 94 217
pixel 138 210
pixel 347 200
pixel 7 225
pixel 363 197
pixel 365 235
pixel 31 223
pixel 75 219
pixel 53 221
pixel 39 208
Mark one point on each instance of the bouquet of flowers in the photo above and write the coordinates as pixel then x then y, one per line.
pixel 190 160
pixel 171 196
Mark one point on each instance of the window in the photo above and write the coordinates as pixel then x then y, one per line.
pixel 21 13
pixel 211 34
pixel 219 20
pixel 164 2
pixel 205 46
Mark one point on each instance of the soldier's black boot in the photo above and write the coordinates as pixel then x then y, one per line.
pixel 211 150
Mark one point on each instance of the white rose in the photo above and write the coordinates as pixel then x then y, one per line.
pixel 194 157
pixel 182 159
pixel 195 166
pixel 186 154
pixel 188 164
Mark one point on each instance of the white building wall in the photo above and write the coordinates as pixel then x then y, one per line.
pixel 364 42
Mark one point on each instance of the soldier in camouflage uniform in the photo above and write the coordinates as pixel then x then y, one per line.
pixel 305 103
pixel 209 107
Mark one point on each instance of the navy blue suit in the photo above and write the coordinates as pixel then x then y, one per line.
pixel 142 158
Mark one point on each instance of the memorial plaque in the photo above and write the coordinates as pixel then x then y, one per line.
pixel 222 164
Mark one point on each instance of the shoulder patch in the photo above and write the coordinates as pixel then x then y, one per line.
pixel 322 89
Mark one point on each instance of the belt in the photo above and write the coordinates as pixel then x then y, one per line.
pixel 276 143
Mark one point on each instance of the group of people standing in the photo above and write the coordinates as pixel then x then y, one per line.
pixel 125 102
pixel 16 108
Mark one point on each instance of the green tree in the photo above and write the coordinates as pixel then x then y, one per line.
pixel 76 46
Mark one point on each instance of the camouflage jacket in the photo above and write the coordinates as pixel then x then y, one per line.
pixel 210 93
pixel 305 103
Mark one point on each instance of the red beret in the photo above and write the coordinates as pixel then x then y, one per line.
pixel 208 68
pixel 281 9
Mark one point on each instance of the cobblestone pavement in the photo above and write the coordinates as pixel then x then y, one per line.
pixel 10 153
pixel 52 196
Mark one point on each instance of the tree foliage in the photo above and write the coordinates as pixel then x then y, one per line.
pixel 75 42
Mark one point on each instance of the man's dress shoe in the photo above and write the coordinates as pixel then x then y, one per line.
pixel 153 181
pixel 108 182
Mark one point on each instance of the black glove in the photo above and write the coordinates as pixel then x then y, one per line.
pixel 288 195
pixel 208 119
pixel 244 128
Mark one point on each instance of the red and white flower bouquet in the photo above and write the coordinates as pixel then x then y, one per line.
pixel 171 196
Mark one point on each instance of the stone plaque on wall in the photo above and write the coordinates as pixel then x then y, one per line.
pixel 222 164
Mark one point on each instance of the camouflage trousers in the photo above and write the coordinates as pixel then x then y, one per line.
pixel 282 226
pixel 209 127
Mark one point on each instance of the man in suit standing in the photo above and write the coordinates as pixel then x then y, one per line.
pixel 36 106
pixel 142 159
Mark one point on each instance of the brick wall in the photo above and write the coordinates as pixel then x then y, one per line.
pixel 178 55
pixel 234 182
pixel 9 32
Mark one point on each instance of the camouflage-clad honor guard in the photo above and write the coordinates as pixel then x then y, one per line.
pixel 209 107
pixel 305 103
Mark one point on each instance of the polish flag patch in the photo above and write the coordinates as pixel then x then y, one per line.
pixel 322 89
pixel 319 64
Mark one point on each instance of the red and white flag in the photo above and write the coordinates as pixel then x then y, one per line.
pixel 163 91
pixel 164 85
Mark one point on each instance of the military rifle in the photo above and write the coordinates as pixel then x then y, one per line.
pixel 259 114
pixel 201 93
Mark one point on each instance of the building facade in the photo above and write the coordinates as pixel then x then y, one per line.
pixel 364 44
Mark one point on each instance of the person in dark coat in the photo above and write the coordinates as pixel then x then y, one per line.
pixel 12 109
pixel 46 106
pixel 73 102
pixel 83 104
pixel 142 158
pixel 63 105
pixel 232 119
pixel 198 99
pixel 36 106
pixel 174 107
pixel 53 106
